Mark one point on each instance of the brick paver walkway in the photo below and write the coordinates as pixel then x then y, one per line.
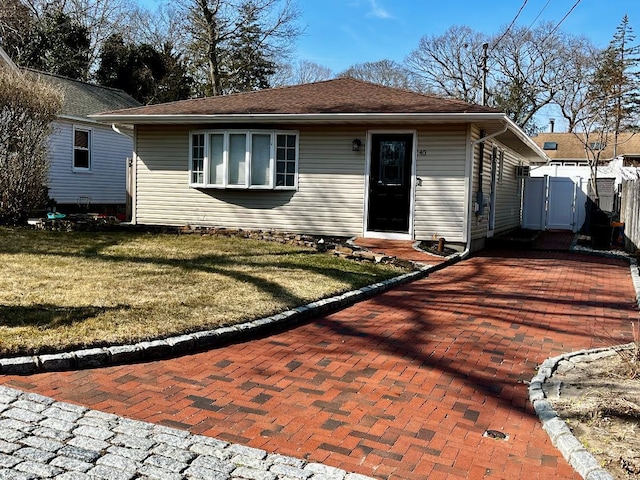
pixel 398 248
pixel 402 386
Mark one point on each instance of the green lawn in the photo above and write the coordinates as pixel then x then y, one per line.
pixel 60 291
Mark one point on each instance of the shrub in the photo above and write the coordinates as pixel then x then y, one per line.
pixel 27 108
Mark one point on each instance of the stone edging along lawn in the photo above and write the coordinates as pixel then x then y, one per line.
pixel 182 344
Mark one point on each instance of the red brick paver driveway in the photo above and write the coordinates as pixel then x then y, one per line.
pixel 402 386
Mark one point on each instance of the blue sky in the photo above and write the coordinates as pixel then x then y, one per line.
pixel 341 33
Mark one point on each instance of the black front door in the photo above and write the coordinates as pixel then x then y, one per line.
pixel 390 182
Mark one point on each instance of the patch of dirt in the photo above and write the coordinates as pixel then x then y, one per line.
pixel 600 402
pixel 432 247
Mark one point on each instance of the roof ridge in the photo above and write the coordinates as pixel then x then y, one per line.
pixel 63 77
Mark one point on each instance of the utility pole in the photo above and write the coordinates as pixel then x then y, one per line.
pixel 485 69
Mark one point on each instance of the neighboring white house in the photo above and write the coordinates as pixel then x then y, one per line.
pixel 88 160
pixel 341 157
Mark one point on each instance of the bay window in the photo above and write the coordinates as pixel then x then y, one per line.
pixel 255 159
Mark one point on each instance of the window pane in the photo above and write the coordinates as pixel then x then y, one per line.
pixel 81 139
pixel 260 159
pixel 237 158
pixel 216 154
pixel 81 158
pixel 197 158
pixel 286 160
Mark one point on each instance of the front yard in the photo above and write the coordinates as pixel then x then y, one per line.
pixel 60 291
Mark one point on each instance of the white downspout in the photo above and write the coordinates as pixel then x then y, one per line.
pixel 467 248
pixel 119 132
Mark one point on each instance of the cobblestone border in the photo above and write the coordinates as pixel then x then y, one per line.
pixel 207 339
pixel 560 434
pixel 43 438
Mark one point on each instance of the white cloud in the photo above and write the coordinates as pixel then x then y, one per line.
pixel 377 10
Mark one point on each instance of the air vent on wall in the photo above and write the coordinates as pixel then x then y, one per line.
pixel 523 171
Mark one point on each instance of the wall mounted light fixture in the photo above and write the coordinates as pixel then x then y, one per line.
pixel 356 144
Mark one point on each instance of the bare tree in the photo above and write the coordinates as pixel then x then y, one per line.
pixel 526 68
pixel 302 71
pixel 450 64
pixel 576 75
pixel 27 107
pixel 383 72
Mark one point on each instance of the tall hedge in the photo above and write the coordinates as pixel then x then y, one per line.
pixel 27 108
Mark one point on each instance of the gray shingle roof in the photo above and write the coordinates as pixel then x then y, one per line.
pixel 82 99
pixel 342 95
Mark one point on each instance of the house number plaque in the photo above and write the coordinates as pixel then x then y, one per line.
pixel 422 153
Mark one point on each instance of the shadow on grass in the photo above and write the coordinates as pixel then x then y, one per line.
pixel 252 263
pixel 48 316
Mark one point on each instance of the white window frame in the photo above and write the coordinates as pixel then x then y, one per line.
pixel 88 149
pixel 206 183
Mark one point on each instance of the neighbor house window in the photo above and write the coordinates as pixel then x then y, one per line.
pixel 255 159
pixel 81 149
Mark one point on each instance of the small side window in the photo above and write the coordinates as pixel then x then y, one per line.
pixel 197 158
pixel 81 149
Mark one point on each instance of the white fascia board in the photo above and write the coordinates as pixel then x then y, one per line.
pixel 524 138
pixel 133 119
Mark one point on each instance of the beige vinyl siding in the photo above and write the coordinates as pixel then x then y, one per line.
pixel 507 213
pixel 479 223
pixel 329 199
pixel 440 200
pixel 508 197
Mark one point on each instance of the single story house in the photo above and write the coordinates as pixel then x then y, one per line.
pixel 87 159
pixel 340 157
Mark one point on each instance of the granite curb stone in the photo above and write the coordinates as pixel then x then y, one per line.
pixel 560 434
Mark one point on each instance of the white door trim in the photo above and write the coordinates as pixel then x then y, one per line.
pixel 365 228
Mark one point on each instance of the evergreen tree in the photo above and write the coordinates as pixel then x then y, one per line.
pixel 249 65
pixel 613 99
pixel 63 46
pixel 148 75
pixel 52 42
pixel 619 76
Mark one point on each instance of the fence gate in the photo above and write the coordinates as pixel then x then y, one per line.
pixel 553 203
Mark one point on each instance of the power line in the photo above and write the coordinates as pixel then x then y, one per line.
pixel 510 25
pixel 538 16
pixel 560 22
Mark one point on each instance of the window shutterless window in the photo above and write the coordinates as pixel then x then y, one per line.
pixel 255 159
pixel 81 149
